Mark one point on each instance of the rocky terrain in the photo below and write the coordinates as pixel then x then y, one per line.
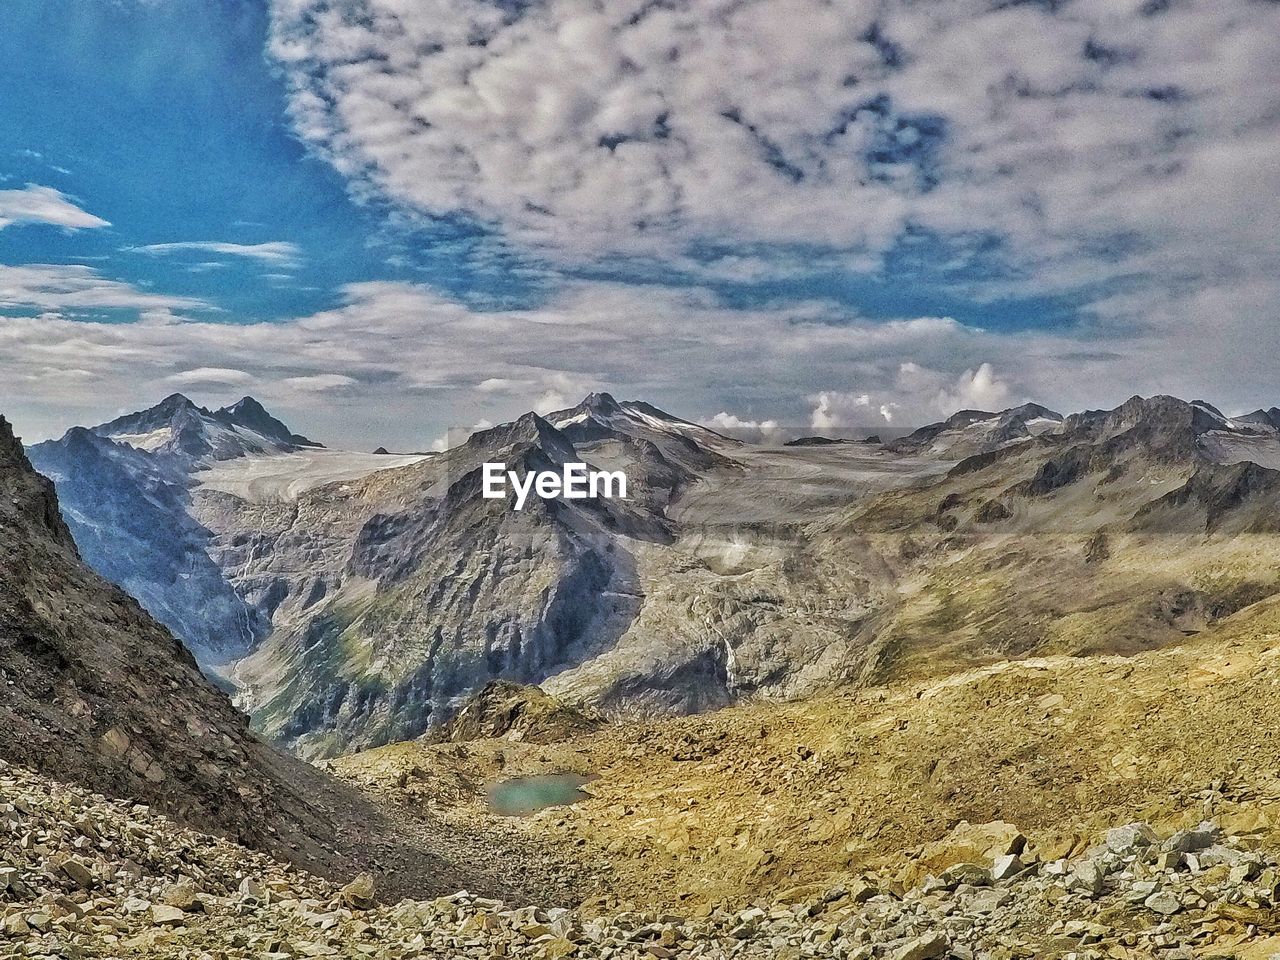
pixel 362 598
pixel 1111 792
pixel 95 692
pixel 90 877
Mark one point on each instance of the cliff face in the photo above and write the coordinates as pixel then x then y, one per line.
pixel 428 599
pixel 94 691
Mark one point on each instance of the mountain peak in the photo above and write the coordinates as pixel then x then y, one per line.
pixel 247 412
pixel 246 405
pixel 10 446
pixel 600 403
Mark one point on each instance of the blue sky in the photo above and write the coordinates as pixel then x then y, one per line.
pixel 388 219
pixel 165 119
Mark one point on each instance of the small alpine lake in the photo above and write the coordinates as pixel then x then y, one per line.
pixel 523 796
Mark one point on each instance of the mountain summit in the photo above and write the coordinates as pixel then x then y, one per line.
pixel 125 488
pixel 179 429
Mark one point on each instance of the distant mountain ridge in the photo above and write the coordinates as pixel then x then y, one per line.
pixel 177 427
pixel 366 608
pixel 126 488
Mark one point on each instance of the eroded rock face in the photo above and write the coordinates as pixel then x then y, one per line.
pixel 93 690
pixel 514 711
pixel 440 591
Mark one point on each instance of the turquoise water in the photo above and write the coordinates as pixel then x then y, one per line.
pixel 525 795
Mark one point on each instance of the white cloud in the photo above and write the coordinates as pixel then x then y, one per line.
pixel 763 431
pixel 582 126
pixel 277 253
pixel 74 287
pixel 833 409
pixel 37 204
pixel 406 362
pixel 914 395
pixel 455 436
pixel 321 382
pixel 978 389
pixel 210 376
pixel 1121 154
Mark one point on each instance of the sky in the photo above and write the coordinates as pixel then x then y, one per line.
pixel 391 218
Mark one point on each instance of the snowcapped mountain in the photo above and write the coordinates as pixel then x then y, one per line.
pixel 125 488
pixel 663 452
pixel 364 596
pixel 178 428
pixel 970 432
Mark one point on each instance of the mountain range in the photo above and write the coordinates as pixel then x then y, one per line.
pixel 350 599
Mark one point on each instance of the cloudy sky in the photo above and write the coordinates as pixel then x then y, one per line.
pixel 386 218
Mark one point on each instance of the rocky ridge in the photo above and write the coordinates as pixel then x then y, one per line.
pixel 734 571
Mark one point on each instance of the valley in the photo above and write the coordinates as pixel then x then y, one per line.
pixel 824 701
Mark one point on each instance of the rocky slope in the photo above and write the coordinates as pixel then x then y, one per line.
pixel 129 512
pixel 366 598
pixel 95 692
pixel 1119 531
pixel 90 878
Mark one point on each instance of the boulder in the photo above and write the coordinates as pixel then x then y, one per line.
pixel 359 893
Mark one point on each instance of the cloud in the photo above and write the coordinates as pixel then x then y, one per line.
pixel 630 126
pixel 1121 156
pixel 321 382
pixel 210 376
pixel 762 431
pixel 455 436
pixel 74 288
pixel 406 362
pixel 915 395
pixel 834 409
pixel 277 253
pixel 977 389
pixel 36 204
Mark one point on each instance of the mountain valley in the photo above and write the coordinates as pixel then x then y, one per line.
pixel 996 689
pixel 351 600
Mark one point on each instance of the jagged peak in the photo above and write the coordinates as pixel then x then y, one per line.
pixel 248 412
pixel 175 400
pixel 246 404
pixel 11 453
pixel 601 403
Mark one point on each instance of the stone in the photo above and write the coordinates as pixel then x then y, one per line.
pixel 359 893
pixel 15 925
pixel 1163 902
pixel 1088 876
pixel 164 915
pixel 182 895
pixel 557 948
pixel 971 873
pixel 1126 839
pixel 79 872
pixel 923 948
pixel 1193 841
pixel 1007 867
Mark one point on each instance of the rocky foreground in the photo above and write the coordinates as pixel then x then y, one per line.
pixel 82 876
